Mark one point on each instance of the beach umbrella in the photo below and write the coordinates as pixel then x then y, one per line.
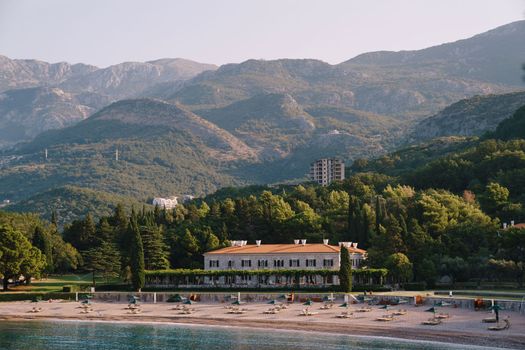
pixel 177 298
pixel 308 303
pixel 133 299
pixel 442 303
pixel 496 309
pixel 273 302
pixel 237 302
pixel 432 309
pixel 345 304
pixel 188 302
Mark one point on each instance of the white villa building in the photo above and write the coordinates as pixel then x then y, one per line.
pixel 300 255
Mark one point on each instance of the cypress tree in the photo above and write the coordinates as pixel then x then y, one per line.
pixel 54 218
pixel 379 213
pixel 137 256
pixel 354 219
pixel 366 222
pixel 345 271
pixel 42 241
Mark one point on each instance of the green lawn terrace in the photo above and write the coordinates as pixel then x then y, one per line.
pixel 56 283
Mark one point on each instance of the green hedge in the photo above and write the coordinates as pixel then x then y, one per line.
pixel 415 286
pixel 181 273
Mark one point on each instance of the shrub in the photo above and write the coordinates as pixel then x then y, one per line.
pixel 70 288
pixel 415 286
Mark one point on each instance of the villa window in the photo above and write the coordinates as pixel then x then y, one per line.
pixel 262 263
pixel 328 262
pixel 246 263
pixel 311 263
pixel 214 263
pixel 278 263
pixel 294 263
pixel 231 263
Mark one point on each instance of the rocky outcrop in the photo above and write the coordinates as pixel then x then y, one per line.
pixel 469 117
pixel 24 113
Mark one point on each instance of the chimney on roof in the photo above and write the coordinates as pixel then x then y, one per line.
pixel 295 241
pixel 303 241
pixel 258 242
pixel 325 241
pixel 504 225
pixel 511 222
pixel 354 245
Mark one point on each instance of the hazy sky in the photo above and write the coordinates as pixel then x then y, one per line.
pixel 105 32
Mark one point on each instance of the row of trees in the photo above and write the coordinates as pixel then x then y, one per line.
pixel 417 235
pixel 31 247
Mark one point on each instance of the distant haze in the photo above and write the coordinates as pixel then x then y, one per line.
pixel 103 32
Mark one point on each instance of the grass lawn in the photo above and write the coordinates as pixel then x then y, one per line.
pixel 54 283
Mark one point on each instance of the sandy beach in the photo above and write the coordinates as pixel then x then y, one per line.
pixel 463 326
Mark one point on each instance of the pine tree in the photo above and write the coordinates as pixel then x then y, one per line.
pixel 119 221
pixel 105 231
pixel 155 250
pixel 345 271
pixel 89 232
pixel 136 255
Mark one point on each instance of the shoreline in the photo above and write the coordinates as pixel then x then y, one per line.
pixel 499 340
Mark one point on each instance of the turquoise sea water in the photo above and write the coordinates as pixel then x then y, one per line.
pixel 116 336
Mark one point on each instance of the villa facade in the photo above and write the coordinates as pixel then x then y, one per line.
pixel 300 256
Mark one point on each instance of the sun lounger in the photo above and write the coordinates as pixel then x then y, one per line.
pixel 271 312
pixel 432 322
pixel 489 320
pixel 364 309
pixel 306 312
pixel 345 314
pixel 442 316
pixel 400 312
pixel 499 327
pixel 385 318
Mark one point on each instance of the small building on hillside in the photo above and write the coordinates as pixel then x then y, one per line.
pixel 168 203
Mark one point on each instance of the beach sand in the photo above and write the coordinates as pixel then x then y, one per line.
pixel 463 326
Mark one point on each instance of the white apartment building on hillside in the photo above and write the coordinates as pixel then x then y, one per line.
pixel 326 170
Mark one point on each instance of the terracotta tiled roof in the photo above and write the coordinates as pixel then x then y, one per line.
pixel 282 249
pixel 521 225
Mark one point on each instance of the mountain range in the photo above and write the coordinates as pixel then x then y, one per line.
pixel 184 127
